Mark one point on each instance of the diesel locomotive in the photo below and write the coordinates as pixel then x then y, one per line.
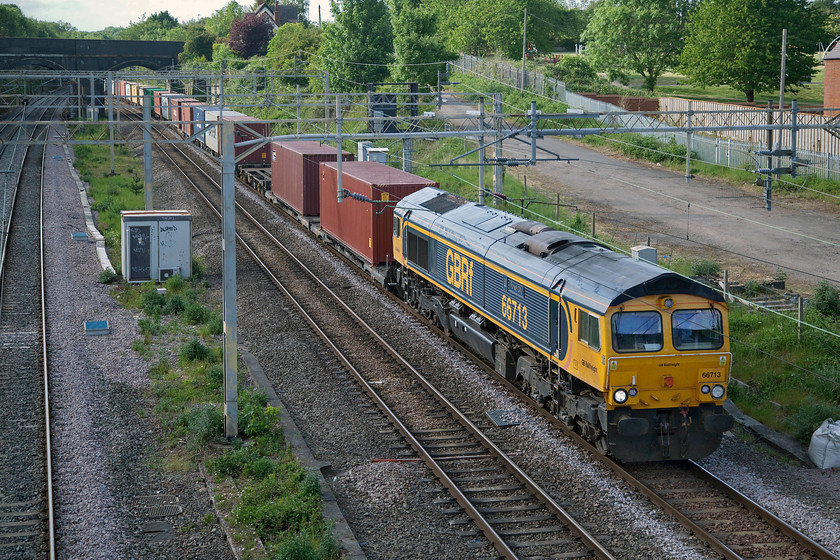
pixel 634 357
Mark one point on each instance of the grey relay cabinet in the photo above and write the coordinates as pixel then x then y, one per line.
pixel 156 244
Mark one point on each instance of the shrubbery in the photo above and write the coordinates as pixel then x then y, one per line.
pixel 826 300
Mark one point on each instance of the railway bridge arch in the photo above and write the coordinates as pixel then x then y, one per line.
pixel 87 55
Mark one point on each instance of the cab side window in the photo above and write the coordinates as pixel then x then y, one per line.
pixel 589 331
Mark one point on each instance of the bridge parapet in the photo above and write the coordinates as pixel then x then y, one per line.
pixel 95 55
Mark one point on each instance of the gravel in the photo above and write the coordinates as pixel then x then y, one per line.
pixel 390 506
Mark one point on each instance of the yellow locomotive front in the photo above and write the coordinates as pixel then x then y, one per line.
pixel 664 370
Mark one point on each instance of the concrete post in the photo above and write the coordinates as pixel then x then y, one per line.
pixel 229 279
pixel 109 91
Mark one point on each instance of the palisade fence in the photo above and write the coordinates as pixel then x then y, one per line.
pixel 735 148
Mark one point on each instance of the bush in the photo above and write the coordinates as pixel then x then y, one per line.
pixel 195 314
pixel 194 351
pixel 706 268
pixel 174 284
pixel 152 302
pixel 174 305
pixel 107 276
pixel 807 417
pixel 575 71
pixel 826 300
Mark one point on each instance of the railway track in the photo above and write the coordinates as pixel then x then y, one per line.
pixel 486 488
pixel 26 510
pixel 732 525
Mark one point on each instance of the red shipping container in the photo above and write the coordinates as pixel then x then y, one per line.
pixel 364 227
pixel 247 128
pixel 187 114
pixel 295 175
pixel 175 111
pixel 157 103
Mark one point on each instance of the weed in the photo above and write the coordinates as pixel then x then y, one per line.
pixel 212 326
pixel 151 327
pixel 140 346
pixel 215 375
pixel 826 300
pixel 194 351
pixel 201 425
pixel 174 305
pixel 107 276
pixel 707 268
pixel 808 416
pixel 195 314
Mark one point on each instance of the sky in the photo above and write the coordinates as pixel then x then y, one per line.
pixel 94 15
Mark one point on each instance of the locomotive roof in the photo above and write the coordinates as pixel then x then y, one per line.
pixel 582 271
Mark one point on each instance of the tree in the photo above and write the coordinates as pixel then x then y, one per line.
pixel 642 36
pixel 416 43
pixel 14 24
pixel 219 23
pixel 198 44
pixel 250 35
pixel 491 27
pixel 290 47
pixel 152 28
pixel 356 48
pixel 738 42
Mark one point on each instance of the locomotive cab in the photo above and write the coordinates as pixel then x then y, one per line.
pixel 666 374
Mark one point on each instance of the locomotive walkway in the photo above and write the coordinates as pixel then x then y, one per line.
pixel 700 219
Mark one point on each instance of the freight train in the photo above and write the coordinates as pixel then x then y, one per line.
pixel 635 358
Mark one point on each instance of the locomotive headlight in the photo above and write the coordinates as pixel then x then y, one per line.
pixel 633 391
pixel 620 396
pixel 705 389
pixel 718 391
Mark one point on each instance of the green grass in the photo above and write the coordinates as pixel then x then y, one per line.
pixel 110 193
pixel 802 377
pixel 675 85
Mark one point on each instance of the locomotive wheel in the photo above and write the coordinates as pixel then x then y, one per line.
pixel 601 445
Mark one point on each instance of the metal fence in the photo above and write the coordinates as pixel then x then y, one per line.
pixel 818 148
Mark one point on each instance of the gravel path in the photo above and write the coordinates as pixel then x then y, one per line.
pixel 104 445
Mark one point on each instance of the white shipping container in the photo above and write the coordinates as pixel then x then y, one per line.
pixel 165 100
pixel 213 133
